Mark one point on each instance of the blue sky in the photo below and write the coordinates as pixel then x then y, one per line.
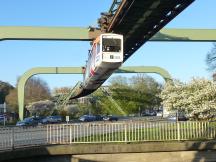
pixel 182 60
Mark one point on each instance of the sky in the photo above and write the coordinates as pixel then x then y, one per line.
pixel 183 60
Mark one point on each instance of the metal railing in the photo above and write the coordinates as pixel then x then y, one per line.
pixel 105 132
pixel 18 137
pixel 130 132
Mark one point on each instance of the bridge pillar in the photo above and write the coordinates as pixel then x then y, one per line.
pixel 78 70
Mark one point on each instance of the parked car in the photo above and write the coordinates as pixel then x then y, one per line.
pixel 110 118
pixel 3 118
pixel 87 118
pixel 52 119
pixel 160 113
pixel 180 118
pixel 31 121
pixel 149 113
pixel 98 117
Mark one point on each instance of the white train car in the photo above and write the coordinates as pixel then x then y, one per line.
pixel 105 56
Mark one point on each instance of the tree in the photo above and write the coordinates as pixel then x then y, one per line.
pixel 119 81
pixel 4 90
pixel 61 90
pixel 211 58
pixel 72 111
pixel 35 90
pixel 41 108
pixel 132 95
pixel 147 91
pixel 11 100
pixel 197 98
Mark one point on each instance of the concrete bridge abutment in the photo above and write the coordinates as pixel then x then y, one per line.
pixel 189 151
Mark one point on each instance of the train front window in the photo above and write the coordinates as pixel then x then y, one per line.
pixel 111 45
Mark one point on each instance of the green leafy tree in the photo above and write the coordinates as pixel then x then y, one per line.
pixel 132 95
pixel 100 103
pixel 83 109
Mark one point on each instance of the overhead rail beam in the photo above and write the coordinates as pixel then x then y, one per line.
pixel 139 20
pixel 77 70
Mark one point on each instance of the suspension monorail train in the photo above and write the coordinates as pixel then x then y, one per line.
pixel 105 56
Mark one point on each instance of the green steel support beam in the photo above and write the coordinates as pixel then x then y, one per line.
pixel 203 35
pixel 47 33
pixel 85 34
pixel 77 70
pixel 146 69
pixel 40 70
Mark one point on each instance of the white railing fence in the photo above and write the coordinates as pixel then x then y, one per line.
pixel 17 137
pixel 130 132
pixel 105 132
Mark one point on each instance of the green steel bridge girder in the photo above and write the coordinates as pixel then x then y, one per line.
pixel 47 33
pixel 190 35
pixel 78 70
pixel 85 34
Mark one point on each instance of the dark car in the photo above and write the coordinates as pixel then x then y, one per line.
pixel 151 113
pixel 110 118
pixel 52 119
pixel 98 118
pixel 3 118
pixel 31 121
pixel 182 118
pixel 87 118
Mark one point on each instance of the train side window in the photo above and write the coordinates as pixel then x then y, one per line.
pixel 98 47
pixel 89 53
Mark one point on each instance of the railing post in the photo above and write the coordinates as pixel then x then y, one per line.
pixel 125 128
pixel 178 131
pixel 70 134
pixel 47 129
pixel 12 140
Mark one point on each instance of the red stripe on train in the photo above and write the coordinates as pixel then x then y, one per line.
pixel 92 72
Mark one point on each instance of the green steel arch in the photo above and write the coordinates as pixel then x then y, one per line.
pixel 78 70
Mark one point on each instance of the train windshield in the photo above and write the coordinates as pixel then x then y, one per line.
pixel 111 45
